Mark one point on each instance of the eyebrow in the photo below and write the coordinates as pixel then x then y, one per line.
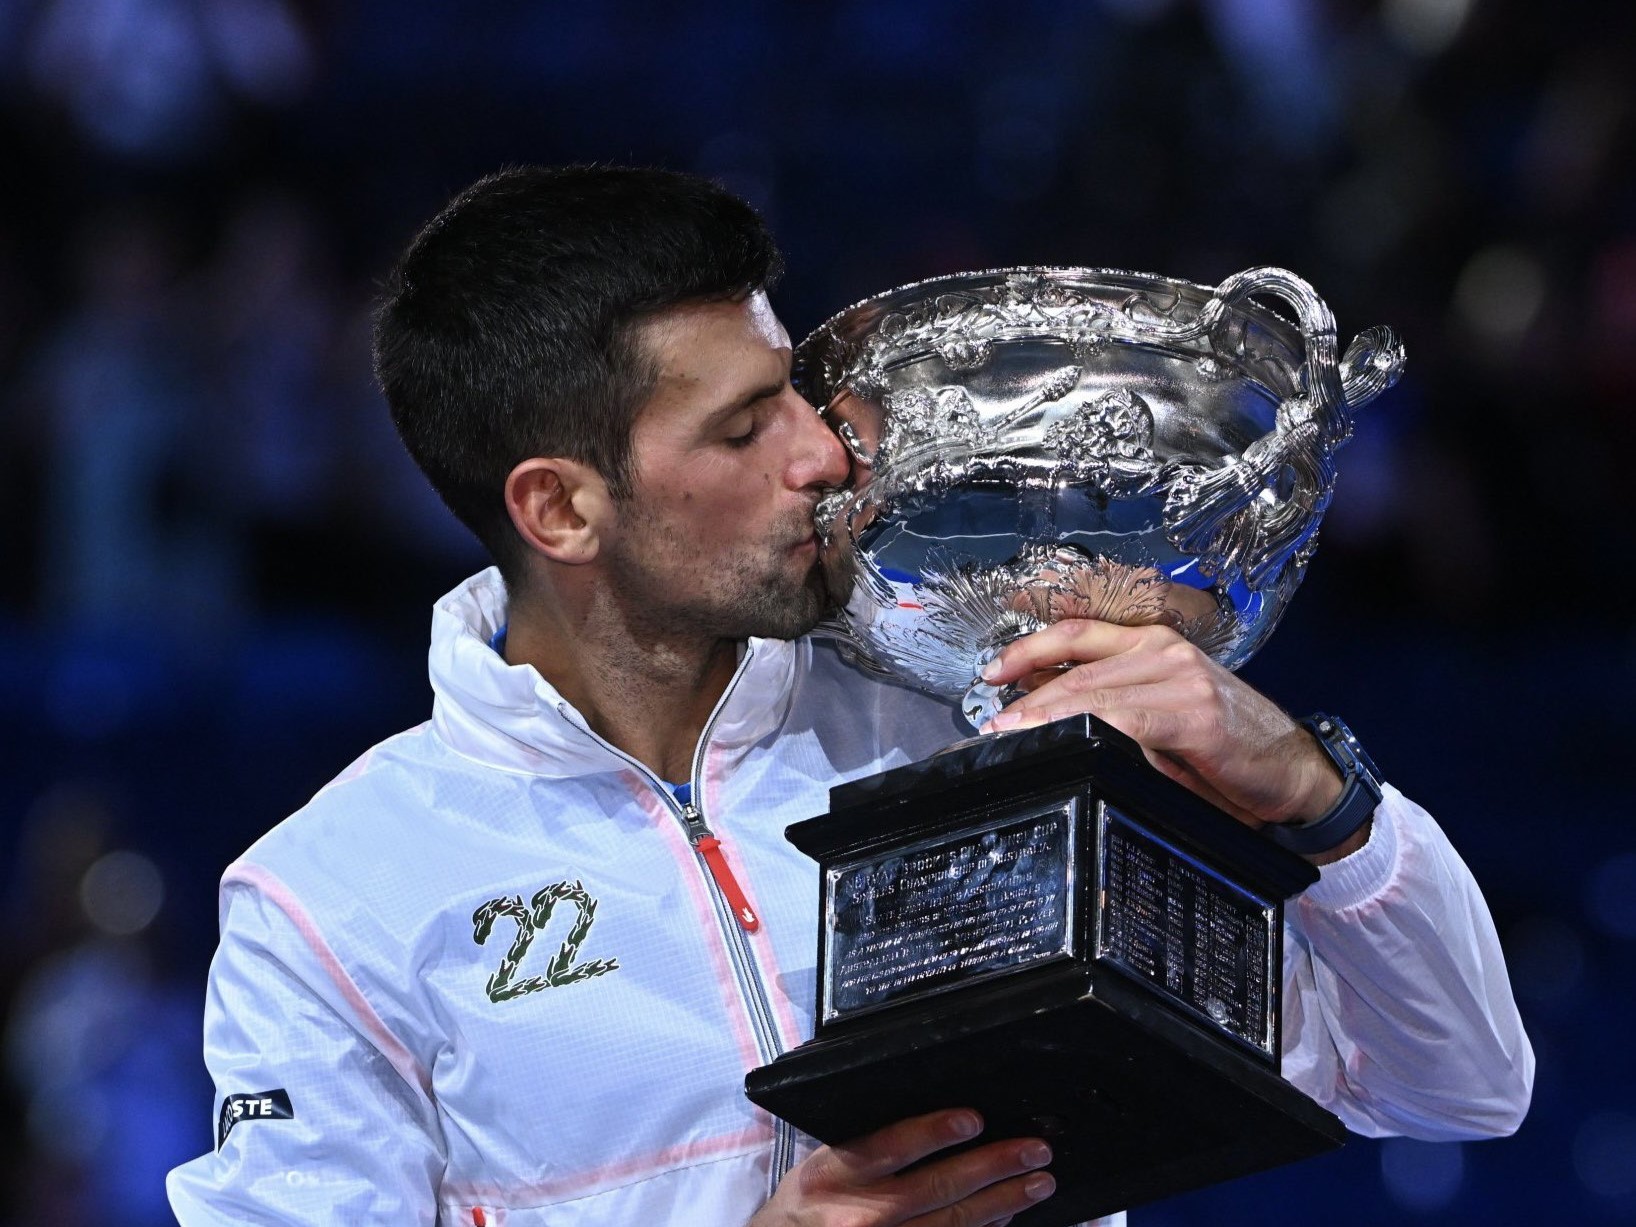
pixel 739 404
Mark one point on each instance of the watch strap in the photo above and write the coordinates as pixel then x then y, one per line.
pixel 1360 792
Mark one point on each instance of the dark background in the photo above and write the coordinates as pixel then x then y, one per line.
pixel 217 565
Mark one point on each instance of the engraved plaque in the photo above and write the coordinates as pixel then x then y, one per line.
pixel 984 899
pixel 1205 942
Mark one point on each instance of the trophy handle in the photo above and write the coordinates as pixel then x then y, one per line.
pixel 1372 363
pixel 1224 515
pixel 1324 404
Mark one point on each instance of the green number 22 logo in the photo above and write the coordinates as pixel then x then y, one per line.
pixel 530 920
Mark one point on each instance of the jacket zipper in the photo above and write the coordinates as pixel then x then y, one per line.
pixel 736 929
pixel 733 912
pixel 709 847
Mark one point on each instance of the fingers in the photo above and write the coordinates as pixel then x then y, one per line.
pixel 1073 640
pixel 1160 712
pixel 1196 721
pixel 880 1154
pixel 977 1186
pixel 981 1186
pixel 1148 682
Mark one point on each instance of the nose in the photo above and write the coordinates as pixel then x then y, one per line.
pixel 820 459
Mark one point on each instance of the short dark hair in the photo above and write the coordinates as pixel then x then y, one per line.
pixel 509 328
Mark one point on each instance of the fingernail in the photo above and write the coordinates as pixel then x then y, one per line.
pixel 991 670
pixel 1036 1154
pixel 966 1125
pixel 1005 720
pixel 1040 1186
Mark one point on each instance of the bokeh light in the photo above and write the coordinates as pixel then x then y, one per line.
pixel 1423 1177
pixel 1426 27
pixel 1604 1155
pixel 1500 291
pixel 122 893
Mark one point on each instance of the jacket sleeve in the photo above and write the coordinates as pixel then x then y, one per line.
pixel 1398 1013
pixel 360 1142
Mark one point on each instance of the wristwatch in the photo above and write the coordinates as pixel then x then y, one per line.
pixel 1360 792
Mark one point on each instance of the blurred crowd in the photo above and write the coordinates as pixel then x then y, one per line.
pixel 215 561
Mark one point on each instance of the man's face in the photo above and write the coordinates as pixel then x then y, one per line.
pixel 717 537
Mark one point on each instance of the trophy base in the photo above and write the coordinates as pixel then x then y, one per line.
pixel 1136 1104
pixel 1043 927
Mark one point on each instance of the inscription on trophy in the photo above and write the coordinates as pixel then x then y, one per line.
pixel 1204 942
pixel 985 899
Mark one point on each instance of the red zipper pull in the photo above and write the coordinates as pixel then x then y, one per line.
pixel 710 848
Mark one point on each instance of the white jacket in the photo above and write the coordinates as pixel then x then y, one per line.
pixel 494 983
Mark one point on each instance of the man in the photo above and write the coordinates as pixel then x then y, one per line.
pixel 512 965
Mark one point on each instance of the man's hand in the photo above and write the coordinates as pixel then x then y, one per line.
pixel 1197 722
pixel 862 1183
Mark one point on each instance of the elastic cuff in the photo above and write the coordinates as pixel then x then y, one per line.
pixel 1361 876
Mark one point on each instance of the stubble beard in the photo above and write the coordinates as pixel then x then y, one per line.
pixel 751 598
pixel 767 610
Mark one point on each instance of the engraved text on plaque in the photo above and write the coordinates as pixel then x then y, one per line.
pixel 1174 923
pixel 949 910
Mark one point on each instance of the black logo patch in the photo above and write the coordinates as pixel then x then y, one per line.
pixel 262 1105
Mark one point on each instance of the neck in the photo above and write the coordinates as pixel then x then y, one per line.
pixel 649 694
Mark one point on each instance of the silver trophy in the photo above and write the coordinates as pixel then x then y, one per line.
pixel 1031 444
pixel 1040 924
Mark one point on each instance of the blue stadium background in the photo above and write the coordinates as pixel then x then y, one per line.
pixel 216 567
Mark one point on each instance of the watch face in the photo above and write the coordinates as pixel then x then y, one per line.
pixel 1343 737
pixel 1345 752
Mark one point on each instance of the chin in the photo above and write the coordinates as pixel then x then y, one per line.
pixel 791 614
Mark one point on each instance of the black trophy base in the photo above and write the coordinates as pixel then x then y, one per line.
pixel 1136 1103
pixel 1044 928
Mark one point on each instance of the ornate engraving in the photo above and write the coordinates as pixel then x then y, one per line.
pixel 963 328
pixel 867 380
pixel 1141 417
pixel 1108 443
pixel 965 353
pixel 919 417
pixel 1210 369
pixel 1090 342
pixel 1248 518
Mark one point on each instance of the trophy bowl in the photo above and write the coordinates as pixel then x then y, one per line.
pixel 1032 444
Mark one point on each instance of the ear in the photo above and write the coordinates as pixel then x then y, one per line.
pixel 558 507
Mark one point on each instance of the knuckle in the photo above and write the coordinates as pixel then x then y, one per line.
pixel 940 1186
pixel 1080 679
pixel 1200 689
pixel 815 1172
pixel 1177 650
pixel 887 1158
pixel 1139 724
pixel 1159 636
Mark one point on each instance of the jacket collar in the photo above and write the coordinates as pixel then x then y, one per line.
pixel 508 716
